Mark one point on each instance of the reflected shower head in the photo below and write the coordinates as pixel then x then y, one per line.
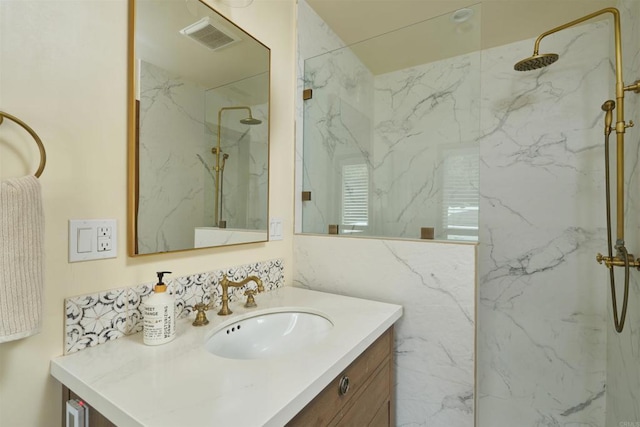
pixel 536 61
pixel 250 121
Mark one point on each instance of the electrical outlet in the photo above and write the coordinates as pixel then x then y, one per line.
pixel 92 239
pixel 104 244
pixel 104 231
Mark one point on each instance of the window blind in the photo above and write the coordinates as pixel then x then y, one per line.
pixel 460 193
pixel 355 194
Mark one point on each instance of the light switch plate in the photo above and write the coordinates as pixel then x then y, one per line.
pixel 92 239
pixel 275 229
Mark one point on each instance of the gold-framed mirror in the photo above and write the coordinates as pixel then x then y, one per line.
pixel 198 143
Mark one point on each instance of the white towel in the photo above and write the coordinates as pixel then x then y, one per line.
pixel 21 258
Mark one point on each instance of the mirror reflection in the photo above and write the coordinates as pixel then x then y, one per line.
pixel 199 138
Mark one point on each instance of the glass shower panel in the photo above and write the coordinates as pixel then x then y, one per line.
pixel 390 140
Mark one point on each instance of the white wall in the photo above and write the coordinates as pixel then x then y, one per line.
pixel 64 71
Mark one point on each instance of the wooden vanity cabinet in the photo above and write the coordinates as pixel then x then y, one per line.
pixel 368 398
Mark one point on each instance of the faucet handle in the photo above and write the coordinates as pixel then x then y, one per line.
pixel 251 301
pixel 201 315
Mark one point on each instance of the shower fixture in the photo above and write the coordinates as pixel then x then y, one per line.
pixel 622 257
pixel 219 168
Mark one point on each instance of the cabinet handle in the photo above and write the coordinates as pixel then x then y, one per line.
pixel 344 385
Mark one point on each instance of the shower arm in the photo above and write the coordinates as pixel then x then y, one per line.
pixel 218 152
pixel 620 123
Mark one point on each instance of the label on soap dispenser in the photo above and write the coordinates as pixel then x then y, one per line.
pixel 159 319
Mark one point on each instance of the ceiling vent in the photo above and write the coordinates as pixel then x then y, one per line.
pixel 205 33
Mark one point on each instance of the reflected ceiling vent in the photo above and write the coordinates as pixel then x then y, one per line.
pixel 205 33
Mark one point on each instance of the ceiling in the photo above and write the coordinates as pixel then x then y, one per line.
pixel 495 23
pixel 158 40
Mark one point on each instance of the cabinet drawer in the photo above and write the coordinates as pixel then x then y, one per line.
pixel 323 409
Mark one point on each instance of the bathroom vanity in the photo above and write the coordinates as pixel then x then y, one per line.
pixel 345 378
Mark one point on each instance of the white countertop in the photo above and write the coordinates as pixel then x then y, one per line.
pixel 181 384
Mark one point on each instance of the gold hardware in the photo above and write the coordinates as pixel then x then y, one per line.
pixel 333 229
pixel 618 261
pixel 34 135
pixel 218 152
pixel 306 196
pixel 427 233
pixel 201 315
pixel 307 94
pixel 622 259
pixel 226 283
pixel 251 302
pixel 635 87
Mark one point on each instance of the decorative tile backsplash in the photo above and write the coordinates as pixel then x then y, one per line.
pixel 104 316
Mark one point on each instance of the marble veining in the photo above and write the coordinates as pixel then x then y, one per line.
pixel 434 339
pixel 108 315
pixel 546 353
pixel 171 201
pixel 541 311
pixel 402 125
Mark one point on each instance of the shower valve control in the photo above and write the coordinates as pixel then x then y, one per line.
pixel 617 261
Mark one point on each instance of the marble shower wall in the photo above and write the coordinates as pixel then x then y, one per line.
pixel 422 114
pixel 171 176
pixel 434 282
pixel 541 309
pixel 623 350
pixel 337 120
pixel 542 300
pixel 401 125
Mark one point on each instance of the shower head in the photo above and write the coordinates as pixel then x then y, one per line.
pixel 250 121
pixel 536 61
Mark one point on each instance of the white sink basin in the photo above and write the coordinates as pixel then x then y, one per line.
pixel 268 335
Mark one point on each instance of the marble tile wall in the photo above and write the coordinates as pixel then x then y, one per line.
pixel 97 318
pixel 434 282
pixel 171 176
pixel 541 309
pixel 421 114
pixel 400 124
pixel 623 350
pixel 542 317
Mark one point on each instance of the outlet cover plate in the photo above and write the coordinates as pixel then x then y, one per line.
pixel 91 239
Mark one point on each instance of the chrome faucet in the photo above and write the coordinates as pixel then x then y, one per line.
pixel 226 283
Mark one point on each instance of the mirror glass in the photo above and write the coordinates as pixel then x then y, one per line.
pixel 199 129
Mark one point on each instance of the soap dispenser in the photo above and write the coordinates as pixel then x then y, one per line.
pixel 159 315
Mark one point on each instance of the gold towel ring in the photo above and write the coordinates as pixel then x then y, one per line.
pixel 43 154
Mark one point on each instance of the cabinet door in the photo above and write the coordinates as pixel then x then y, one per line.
pixel 369 376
